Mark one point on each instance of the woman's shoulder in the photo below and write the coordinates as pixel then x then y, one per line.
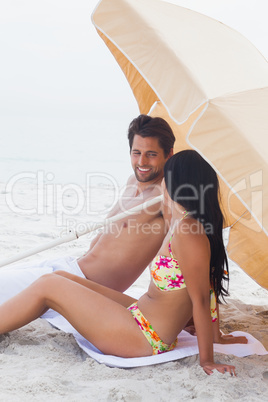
pixel 190 228
pixel 190 238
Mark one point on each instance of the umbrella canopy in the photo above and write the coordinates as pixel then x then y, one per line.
pixel 211 85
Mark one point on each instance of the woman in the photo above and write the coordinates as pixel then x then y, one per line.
pixel 189 265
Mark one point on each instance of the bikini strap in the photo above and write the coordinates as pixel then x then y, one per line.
pixel 185 213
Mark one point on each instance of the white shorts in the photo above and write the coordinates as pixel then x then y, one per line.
pixel 13 279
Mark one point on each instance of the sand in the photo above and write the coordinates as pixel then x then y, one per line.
pixel 40 363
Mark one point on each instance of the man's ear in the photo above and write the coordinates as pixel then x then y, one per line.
pixel 170 153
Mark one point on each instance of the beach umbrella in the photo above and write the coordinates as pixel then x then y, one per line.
pixel 211 84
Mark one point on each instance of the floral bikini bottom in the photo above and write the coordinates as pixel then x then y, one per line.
pixel 157 344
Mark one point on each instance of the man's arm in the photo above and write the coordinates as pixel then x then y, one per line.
pixel 113 212
pixel 220 337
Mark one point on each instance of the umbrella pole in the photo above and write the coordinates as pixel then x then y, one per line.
pixel 73 234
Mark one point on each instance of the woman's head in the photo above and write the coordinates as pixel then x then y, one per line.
pixel 191 182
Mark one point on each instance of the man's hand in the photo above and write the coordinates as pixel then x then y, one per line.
pixel 224 339
pixel 227 339
pixel 190 329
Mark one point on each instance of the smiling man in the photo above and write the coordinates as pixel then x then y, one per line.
pixel 119 254
pixel 148 159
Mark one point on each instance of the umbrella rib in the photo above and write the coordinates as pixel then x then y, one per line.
pixel 238 219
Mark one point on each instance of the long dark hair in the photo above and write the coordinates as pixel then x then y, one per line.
pixel 193 183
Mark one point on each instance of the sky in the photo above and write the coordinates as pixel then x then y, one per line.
pixel 54 67
pixel 53 61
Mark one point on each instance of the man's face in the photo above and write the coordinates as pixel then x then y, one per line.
pixel 147 159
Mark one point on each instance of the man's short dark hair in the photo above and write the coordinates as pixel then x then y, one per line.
pixel 147 126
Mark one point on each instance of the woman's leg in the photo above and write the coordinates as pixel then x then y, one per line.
pixel 112 294
pixel 104 322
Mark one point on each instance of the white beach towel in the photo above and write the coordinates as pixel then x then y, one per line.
pixel 187 346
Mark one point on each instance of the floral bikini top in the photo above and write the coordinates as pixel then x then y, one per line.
pixel 167 276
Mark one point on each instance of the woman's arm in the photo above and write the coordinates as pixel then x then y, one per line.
pixel 193 251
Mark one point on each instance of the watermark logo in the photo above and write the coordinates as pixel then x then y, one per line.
pixel 101 195
pixel 60 200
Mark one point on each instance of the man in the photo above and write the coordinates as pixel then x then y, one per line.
pixel 117 257
pixel 119 254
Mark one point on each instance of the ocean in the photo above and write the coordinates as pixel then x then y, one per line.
pixel 67 151
pixel 57 174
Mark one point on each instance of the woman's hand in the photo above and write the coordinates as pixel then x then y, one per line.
pixel 222 368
